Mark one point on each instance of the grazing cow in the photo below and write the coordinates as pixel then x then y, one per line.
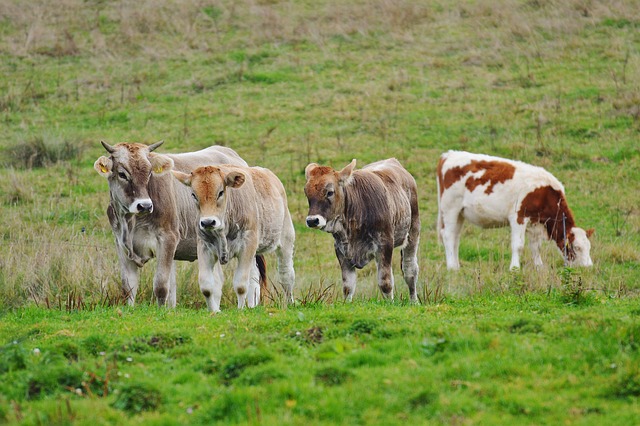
pixel 492 192
pixel 152 215
pixel 243 211
pixel 369 212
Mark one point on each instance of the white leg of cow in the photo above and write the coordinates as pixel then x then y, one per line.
pixel 165 267
pixel 210 277
pixel 535 234
pixel 410 268
pixel 253 293
pixel 171 300
pixel 242 276
pixel 385 274
pixel 348 277
pixel 517 242
pixel 451 238
pixel 129 273
pixel 286 273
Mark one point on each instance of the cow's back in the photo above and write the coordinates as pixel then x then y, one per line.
pixel 388 181
pixel 487 189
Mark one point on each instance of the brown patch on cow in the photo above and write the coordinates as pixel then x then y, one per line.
pixel 494 172
pixel 241 290
pixel 548 206
pixel 206 293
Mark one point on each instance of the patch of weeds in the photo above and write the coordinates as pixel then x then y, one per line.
pixel 261 375
pixel 332 376
pixel 631 339
pixel 13 357
pixel 138 397
pixel 431 346
pixel 210 366
pixel 313 335
pixel 230 407
pixel 69 350
pixel 627 385
pixel 95 344
pixel 523 325
pixel 423 399
pixel 362 326
pixel 239 362
pixel 53 379
pixel 43 151
pixel 573 291
pixel 158 342
pixel 365 358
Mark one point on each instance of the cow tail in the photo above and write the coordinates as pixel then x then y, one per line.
pixel 262 270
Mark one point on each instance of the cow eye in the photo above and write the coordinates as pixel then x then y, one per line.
pixel 220 194
pixel 195 197
pixel 122 175
pixel 330 193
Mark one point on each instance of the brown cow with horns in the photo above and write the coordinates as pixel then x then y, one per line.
pixel 369 212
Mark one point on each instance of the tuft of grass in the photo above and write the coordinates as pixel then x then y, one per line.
pixel 42 151
pixel 138 397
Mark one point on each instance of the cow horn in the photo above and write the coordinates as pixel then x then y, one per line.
pixel 108 147
pixel 155 145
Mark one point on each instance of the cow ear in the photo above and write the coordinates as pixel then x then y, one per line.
pixel 160 164
pixel 103 166
pixel 234 179
pixel 182 177
pixel 344 175
pixel 590 232
pixel 309 169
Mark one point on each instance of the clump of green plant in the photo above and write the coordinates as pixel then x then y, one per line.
pixel 42 151
pixel 573 291
pixel 239 362
pixel 138 397
pixel 13 357
pixel 332 376
pixel 53 379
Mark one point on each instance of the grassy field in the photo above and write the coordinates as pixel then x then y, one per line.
pixel 285 83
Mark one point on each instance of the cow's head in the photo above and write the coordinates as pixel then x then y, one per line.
pixel 210 185
pixel 128 169
pixel 325 189
pixel 579 247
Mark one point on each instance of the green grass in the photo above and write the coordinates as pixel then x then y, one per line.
pixel 554 83
pixel 505 359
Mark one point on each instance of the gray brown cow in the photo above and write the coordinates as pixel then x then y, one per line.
pixel 153 215
pixel 369 212
pixel 243 211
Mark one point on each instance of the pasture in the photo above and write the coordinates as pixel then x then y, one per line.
pixel 286 83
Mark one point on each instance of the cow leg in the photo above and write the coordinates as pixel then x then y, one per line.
pixel 129 272
pixel 451 238
pixel 385 274
pixel 348 277
pixel 165 270
pixel 535 234
pixel 517 242
pixel 210 277
pixel 253 294
pixel 410 266
pixel 287 274
pixel 242 276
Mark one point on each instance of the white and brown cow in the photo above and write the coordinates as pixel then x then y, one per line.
pixel 369 212
pixel 243 211
pixel 152 215
pixel 492 192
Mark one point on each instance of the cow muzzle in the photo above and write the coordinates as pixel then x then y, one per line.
pixel 316 221
pixel 211 224
pixel 141 206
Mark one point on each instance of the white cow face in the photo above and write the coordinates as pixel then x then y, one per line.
pixel 581 247
pixel 129 168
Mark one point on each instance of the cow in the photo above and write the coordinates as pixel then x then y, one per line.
pixel 152 215
pixel 493 192
pixel 369 212
pixel 243 211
